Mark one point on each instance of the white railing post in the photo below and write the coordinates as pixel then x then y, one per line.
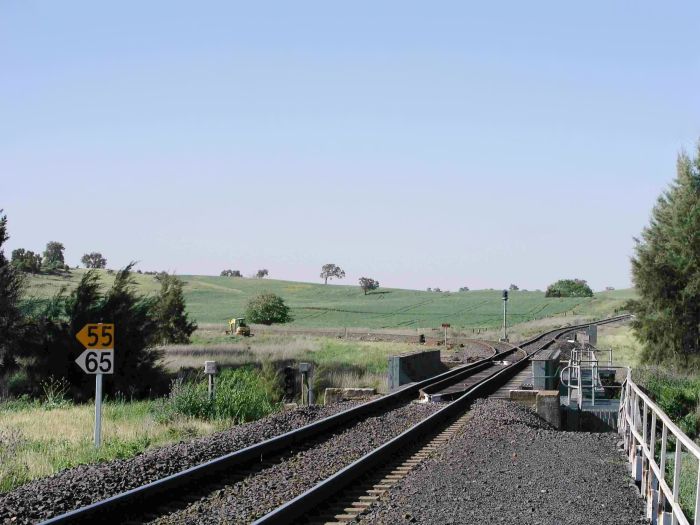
pixel 580 390
pixel 644 425
pixel 677 461
pixel 696 517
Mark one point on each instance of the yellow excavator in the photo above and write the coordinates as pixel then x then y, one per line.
pixel 237 326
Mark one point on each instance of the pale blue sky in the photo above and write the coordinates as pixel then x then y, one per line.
pixel 419 143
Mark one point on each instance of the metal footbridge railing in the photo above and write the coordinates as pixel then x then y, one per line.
pixel 590 382
pixel 657 450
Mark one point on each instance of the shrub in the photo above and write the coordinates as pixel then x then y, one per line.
pixel 241 395
pixel 267 308
pixel 676 394
pixel 55 392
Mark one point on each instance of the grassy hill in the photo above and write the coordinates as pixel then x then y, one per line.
pixel 215 299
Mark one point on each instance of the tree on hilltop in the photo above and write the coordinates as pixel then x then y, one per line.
pixel 368 284
pixel 93 260
pixel 513 288
pixel 262 274
pixel 231 273
pixel 569 288
pixel 26 260
pixel 666 270
pixel 53 257
pixel 328 271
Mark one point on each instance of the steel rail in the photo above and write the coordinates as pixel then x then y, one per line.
pixel 304 503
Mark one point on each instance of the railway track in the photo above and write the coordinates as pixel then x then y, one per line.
pixel 393 423
pixel 394 459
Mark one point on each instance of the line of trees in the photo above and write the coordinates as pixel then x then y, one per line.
pixel 52 260
pixel 260 274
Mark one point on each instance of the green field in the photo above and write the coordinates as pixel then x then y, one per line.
pixel 216 299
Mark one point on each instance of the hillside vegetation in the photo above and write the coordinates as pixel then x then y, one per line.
pixel 216 299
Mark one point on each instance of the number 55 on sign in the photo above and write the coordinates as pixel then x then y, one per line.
pixel 97 336
pixel 98 340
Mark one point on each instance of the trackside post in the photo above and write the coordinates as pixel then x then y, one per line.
pixel 97 359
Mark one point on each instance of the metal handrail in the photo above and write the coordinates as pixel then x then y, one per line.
pixel 636 411
pixel 595 380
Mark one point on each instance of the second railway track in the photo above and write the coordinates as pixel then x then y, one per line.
pixel 282 479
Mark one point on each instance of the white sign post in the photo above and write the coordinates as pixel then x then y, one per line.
pixel 97 359
pixel 98 410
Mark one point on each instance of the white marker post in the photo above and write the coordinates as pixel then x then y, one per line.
pixel 98 410
pixel 97 359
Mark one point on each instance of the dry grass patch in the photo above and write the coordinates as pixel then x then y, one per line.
pixel 36 441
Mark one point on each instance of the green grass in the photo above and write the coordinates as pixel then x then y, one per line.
pixel 216 299
pixel 626 348
pixel 241 395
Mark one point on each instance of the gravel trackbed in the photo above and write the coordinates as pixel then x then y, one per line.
pixel 508 466
pixel 261 492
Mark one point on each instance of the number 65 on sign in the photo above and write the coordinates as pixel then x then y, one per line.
pixel 96 361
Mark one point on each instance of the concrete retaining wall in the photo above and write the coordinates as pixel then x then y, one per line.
pixel 408 368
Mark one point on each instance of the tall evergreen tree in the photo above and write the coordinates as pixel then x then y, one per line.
pixel 173 324
pixel 11 318
pixel 666 271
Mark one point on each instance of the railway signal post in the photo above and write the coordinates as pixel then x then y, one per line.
pixel 505 312
pixel 97 359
